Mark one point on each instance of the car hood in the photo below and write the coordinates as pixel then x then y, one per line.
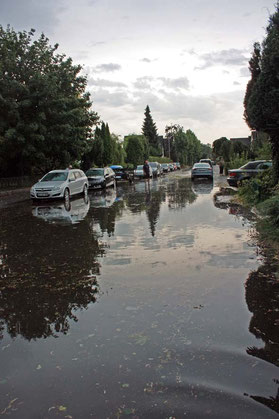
pixel 48 184
pixel 96 177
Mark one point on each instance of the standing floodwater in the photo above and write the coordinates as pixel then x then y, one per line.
pixel 135 303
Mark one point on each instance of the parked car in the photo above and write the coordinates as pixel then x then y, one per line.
pixel 138 173
pixel 100 177
pixel 60 184
pixel 156 168
pixel 207 161
pixel 171 167
pixel 250 169
pixel 120 173
pixel 201 170
pixel 178 165
pixel 165 167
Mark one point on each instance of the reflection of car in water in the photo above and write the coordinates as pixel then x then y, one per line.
pixel 103 199
pixel 68 212
pixel 202 186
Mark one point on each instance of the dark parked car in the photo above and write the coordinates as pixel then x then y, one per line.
pixel 201 170
pixel 253 168
pixel 100 177
pixel 121 173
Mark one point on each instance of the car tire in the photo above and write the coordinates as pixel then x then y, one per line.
pixel 67 194
pixel 85 191
pixel 104 186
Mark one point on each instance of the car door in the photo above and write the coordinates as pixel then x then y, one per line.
pixel 79 182
pixel 72 183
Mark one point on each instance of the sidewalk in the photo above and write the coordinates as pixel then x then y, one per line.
pixel 13 196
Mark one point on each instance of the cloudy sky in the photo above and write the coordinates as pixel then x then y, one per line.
pixel 186 59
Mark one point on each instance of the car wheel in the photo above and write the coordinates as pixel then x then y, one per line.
pixel 67 194
pixel 104 185
pixel 85 191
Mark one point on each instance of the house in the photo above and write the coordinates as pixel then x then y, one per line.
pixel 243 140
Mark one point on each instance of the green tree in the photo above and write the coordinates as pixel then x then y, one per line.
pixel 222 148
pixel 134 149
pixel 255 70
pixel 108 146
pixel 45 112
pixel 149 130
pixel 262 102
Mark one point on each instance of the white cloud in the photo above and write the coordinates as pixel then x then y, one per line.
pixel 229 57
pixel 107 68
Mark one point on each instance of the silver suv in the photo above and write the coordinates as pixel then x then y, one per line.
pixel 60 184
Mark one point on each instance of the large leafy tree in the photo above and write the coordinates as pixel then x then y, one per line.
pixel 149 130
pixel 222 148
pixel 262 101
pixel 45 111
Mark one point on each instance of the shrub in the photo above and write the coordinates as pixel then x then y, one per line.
pixel 270 209
pixel 257 189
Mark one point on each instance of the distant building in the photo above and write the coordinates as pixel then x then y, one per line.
pixel 243 140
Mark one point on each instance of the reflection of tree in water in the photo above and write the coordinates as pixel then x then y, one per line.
pixel 262 297
pixel 180 193
pixel 47 272
pixel 150 201
pixel 153 202
pixel 106 216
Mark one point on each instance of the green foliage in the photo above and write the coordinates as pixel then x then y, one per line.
pixel 262 100
pixel 257 189
pixel 134 147
pixel 160 159
pixel 149 129
pixel 236 162
pixel 186 148
pixel 222 148
pixel 270 209
pixel 45 112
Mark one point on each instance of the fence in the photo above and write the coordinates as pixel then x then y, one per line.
pixel 17 182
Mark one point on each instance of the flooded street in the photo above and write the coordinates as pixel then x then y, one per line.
pixel 134 303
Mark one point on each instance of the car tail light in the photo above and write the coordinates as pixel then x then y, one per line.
pixel 232 174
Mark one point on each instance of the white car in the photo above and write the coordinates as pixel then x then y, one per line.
pixel 60 184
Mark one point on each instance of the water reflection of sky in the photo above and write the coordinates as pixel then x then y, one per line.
pixel 146 299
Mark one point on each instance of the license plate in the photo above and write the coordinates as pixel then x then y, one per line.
pixel 43 194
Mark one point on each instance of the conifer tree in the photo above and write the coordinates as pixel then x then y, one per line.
pixel 149 129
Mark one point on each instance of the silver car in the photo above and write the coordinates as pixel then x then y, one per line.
pixel 201 170
pixel 60 184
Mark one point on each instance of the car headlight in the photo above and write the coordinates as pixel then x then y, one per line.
pixel 56 188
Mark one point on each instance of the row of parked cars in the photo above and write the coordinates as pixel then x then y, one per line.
pixel 69 182
pixel 156 169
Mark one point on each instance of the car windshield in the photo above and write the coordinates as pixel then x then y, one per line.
pixel 152 164
pixel 95 172
pixel 251 165
pixel 203 165
pixel 55 176
pixel 140 167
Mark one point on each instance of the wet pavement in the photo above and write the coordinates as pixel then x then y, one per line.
pixel 138 302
